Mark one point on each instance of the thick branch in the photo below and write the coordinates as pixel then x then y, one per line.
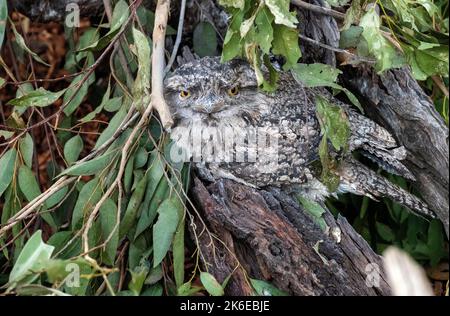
pixel 158 62
pixel 274 239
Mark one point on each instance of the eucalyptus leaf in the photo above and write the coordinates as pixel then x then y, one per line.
pixel 164 229
pixel 32 258
pixel 7 166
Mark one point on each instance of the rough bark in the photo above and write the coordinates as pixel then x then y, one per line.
pixel 396 101
pixel 270 237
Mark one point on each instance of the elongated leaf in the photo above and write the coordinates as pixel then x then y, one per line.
pixel 154 195
pixel 21 42
pixel 133 208
pixel 26 146
pixel 205 40
pixel 386 55
pixel 79 92
pixel 120 15
pixel 211 285
pixel 138 276
pixel 316 75
pixel 30 188
pixel 141 85
pixel 108 218
pixel 7 162
pixel 334 123
pixel 89 195
pixel 112 127
pixel 164 229
pixel 39 98
pixel 28 183
pixel 32 258
pixel 90 167
pixel 3 16
pixel 56 197
pixel 73 148
pixel 280 10
pixel 285 43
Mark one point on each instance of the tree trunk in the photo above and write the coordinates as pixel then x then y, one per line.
pixel 267 235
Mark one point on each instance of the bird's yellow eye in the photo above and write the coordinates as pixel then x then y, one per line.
pixel 233 91
pixel 184 94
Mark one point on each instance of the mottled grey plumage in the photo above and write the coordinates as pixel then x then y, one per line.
pixel 202 92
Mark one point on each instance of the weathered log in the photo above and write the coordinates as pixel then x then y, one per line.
pixel 270 237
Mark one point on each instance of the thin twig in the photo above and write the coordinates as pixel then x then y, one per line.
pixel 178 39
pixel 318 9
pixel 335 49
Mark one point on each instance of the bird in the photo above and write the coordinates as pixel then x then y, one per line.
pixel 219 111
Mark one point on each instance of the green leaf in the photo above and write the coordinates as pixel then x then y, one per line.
pixel 211 285
pixel 28 183
pixel 21 42
pixel 113 104
pixel 138 276
pixel 109 220
pixel 113 125
pixel 133 208
pixel 316 75
pixel 89 195
pixel 264 30
pixel 315 210
pixel 379 47
pixel 178 247
pixel 264 288
pixel 7 165
pixel 187 289
pixel 140 158
pixel 120 15
pixel 205 40
pixel 81 92
pixel 154 195
pixel 32 258
pixel 334 123
pixel 385 232
pixel 73 148
pixel 285 43
pixel 350 37
pixel 280 10
pixel 164 229
pixel 90 167
pixel 154 290
pixel 6 134
pixel 39 97
pixel 3 17
pixel 141 85
pixel 26 146
pixel 232 42
pixel 56 197
pixel 30 188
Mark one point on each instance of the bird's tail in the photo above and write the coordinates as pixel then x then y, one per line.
pixel 358 179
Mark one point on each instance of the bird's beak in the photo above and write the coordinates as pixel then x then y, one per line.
pixel 209 107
